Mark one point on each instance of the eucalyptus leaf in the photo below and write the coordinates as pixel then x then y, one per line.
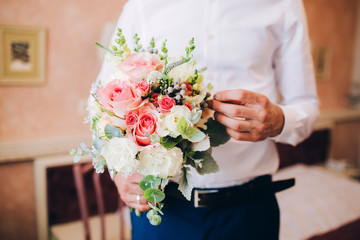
pixel 155 220
pixel 154 195
pixel 148 182
pixel 182 125
pixel 156 208
pixel 193 134
pixel 169 142
pixel 111 132
pixel 97 143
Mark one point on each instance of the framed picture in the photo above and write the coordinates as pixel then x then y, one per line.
pixel 22 53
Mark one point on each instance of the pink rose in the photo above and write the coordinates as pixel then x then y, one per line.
pixel 146 126
pixel 144 87
pixel 166 103
pixel 119 97
pixel 131 119
pixel 154 99
pixel 138 65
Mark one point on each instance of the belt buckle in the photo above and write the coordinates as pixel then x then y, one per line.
pixel 197 198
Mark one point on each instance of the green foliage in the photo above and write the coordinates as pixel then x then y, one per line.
pixel 138 46
pixel 184 185
pixel 149 181
pixel 111 132
pixel 208 164
pixel 217 133
pixel 189 132
pixel 154 195
pixel 169 142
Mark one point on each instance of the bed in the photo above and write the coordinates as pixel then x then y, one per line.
pixel 323 204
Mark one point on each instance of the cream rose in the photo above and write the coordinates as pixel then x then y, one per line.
pixel 169 121
pixel 161 162
pixel 120 155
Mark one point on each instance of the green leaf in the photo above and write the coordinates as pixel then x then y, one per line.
pixel 155 208
pixel 184 185
pixel 97 143
pixel 154 195
pixel 208 165
pixel 217 133
pixel 182 125
pixel 189 132
pixel 148 182
pixel 169 142
pixel 111 132
pixel 193 134
pixel 155 220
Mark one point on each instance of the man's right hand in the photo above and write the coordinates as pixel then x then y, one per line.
pixel 128 188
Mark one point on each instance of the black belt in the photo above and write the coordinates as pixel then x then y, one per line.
pixel 257 187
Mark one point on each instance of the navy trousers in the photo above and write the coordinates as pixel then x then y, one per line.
pixel 254 219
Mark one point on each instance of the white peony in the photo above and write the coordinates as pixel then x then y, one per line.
pixel 169 121
pixel 161 162
pixel 120 155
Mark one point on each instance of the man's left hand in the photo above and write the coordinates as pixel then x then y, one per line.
pixel 247 116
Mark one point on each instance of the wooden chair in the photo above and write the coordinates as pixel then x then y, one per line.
pixel 79 170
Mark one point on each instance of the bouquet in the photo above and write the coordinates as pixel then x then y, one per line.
pixel 150 116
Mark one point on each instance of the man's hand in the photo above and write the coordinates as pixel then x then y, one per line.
pixel 248 116
pixel 128 188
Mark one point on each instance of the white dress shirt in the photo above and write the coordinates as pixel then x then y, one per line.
pixel 257 45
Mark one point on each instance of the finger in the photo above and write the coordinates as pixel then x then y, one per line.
pixel 234 124
pixel 244 136
pixel 135 178
pixel 140 207
pixel 239 96
pixel 232 110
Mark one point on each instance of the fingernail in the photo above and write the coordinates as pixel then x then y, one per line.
pixel 217 96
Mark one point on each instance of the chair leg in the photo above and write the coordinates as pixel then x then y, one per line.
pixel 79 183
pixel 100 202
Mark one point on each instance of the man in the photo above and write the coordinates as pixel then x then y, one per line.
pixel 257 54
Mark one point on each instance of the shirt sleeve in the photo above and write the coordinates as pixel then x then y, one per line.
pixel 295 77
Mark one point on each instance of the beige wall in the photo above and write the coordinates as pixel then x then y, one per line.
pixel 332 25
pixel 72 27
pixel 51 110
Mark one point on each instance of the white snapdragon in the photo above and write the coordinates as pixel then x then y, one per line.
pixel 169 121
pixel 120 155
pixel 161 162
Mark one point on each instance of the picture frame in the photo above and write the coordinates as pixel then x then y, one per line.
pixel 22 54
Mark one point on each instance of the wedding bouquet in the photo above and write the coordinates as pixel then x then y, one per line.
pixel 150 116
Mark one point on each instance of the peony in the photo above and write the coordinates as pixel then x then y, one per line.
pixel 166 103
pixel 120 155
pixel 146 126
pixel 119 97
pixel 161 162
pixel 138 65
pixel 168 124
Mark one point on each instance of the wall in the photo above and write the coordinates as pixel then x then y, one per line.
pixel 51 110
pixel 72 65
pixel 332 25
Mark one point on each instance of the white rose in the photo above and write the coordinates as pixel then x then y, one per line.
pixel 169 121
pixel 183 71
pixel 120 154
pixel 161 162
